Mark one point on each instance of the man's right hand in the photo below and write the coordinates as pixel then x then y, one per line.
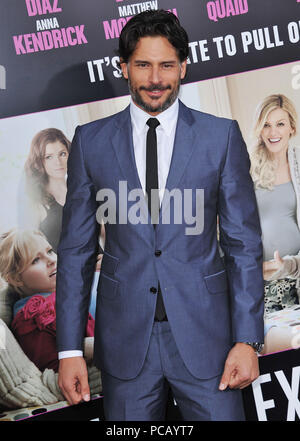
pixel 73 379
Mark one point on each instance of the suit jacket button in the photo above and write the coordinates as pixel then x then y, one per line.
pixel 153 290
pixel 157 253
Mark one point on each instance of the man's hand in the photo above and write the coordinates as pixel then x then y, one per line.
pixel 73 379
pixel 271 266
pixel 241 367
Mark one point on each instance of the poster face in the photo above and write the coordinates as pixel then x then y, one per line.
pixel 59 70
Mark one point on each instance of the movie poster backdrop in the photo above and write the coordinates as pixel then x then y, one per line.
pixel 58 69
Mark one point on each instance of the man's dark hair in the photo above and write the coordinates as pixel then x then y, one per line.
pixel 153 23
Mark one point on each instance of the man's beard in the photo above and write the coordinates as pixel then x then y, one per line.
pixel 137 99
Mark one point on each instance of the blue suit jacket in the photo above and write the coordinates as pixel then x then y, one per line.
pixel 211 302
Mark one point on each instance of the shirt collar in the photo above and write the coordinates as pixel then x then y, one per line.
pixel 167 118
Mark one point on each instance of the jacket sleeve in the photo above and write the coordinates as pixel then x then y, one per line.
pixel 77 252
pixel 240 240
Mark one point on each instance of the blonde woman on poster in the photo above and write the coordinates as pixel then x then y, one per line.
pixel 275 172
pixel 28 265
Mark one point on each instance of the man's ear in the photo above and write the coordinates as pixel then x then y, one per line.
pixel 124 67
pixel 183 69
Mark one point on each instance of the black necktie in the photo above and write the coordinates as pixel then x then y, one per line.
pixel 153 196
pixel 151 170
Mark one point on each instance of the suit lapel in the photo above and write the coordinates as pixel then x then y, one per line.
pixel 123 145
pixel 183 148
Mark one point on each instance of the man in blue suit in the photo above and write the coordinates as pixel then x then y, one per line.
pixel 171 310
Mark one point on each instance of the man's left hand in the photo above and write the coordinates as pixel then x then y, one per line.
pixel 241 367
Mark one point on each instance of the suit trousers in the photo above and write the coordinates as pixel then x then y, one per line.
pixel 144 398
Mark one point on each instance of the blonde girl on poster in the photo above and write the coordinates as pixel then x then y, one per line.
pixel 275 169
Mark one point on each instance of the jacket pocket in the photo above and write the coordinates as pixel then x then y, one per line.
pixel 217 283
pixel 109 263
pixel 107 287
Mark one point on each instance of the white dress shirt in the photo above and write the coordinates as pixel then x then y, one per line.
pixel 165 133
